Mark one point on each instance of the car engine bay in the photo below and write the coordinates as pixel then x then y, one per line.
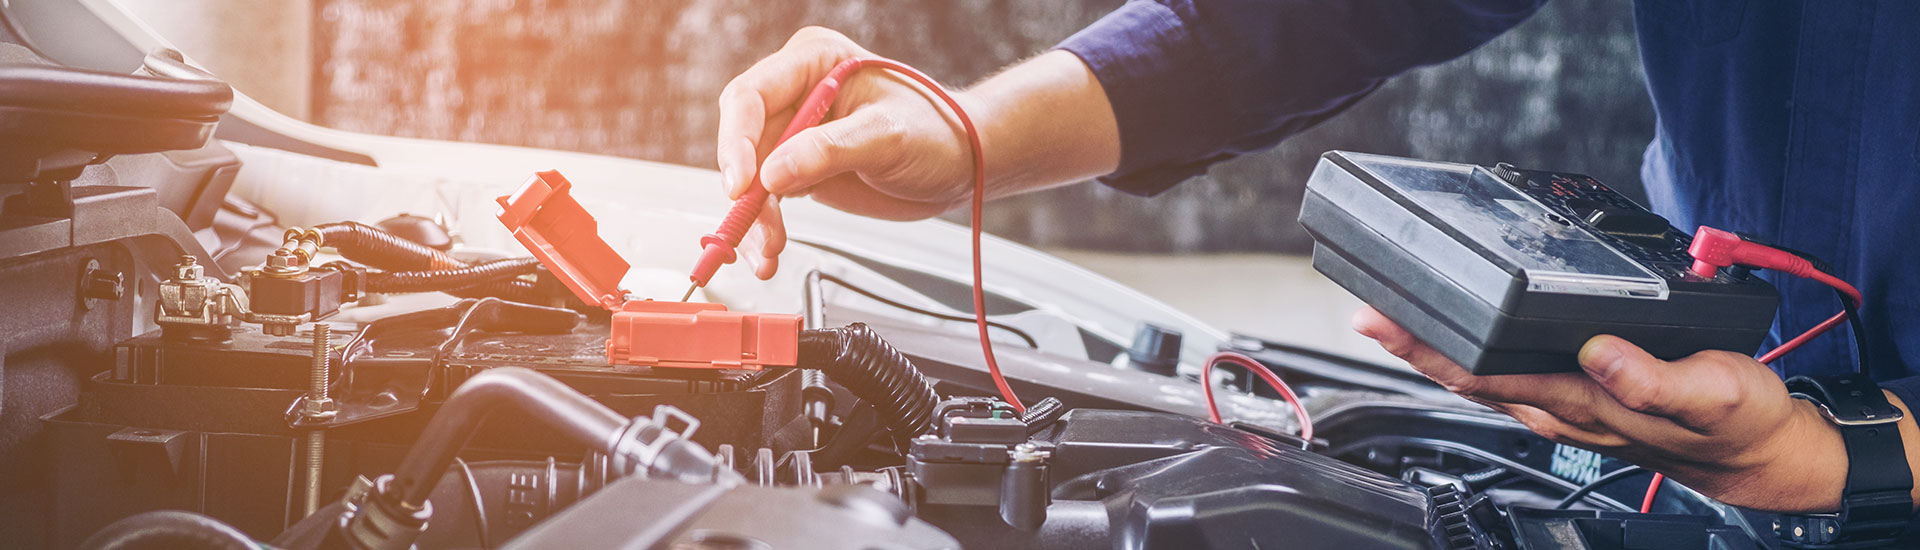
pixel 221 333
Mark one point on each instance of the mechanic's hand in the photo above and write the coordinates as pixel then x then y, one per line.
pixel 886 151
pixel 1718 422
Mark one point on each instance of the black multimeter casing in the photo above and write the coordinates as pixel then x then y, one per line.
pixel 1508 271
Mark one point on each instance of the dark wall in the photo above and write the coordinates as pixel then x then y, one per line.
pixel 638 78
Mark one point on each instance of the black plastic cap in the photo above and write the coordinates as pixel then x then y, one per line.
pixel 1155 349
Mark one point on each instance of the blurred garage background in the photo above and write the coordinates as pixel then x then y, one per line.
pixel 638 78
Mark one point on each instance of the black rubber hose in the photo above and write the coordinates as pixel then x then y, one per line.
pixel 391 282
pixel 168 529
pixel 636 445
pixel 369 245
pixel 527 394
pixel 484 504
pixel 856 357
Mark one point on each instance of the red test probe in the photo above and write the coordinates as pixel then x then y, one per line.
pixel 718 248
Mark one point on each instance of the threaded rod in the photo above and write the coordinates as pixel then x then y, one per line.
pixel 316 454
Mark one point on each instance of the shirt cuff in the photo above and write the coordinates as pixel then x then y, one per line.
pixel 1133 51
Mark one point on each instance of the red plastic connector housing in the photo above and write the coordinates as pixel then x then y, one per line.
pixel 545 218
pixel 1713 249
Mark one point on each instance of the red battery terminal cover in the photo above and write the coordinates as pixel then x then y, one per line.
pixel 546 218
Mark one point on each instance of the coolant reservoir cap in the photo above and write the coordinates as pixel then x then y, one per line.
pixel 546 218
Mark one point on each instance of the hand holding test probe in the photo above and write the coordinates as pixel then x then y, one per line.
pixel 886 149
pixel 717 248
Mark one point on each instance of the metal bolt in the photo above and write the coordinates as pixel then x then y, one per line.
pixel 187 269
pixel 316 466
pixel 322 359
pixel 318 404
pixel 319 401
pixel 1027 452
pixel 284 262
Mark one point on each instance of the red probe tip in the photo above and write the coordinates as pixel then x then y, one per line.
pixel 711 258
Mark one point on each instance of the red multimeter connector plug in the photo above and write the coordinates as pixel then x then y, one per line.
pixel 546 218
pixel 1714 249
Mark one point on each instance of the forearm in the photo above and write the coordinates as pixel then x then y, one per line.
pixel 1044 122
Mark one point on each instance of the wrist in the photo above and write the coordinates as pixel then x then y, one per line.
pixel 1801 468
pixel 1910 437
pixel 1815 459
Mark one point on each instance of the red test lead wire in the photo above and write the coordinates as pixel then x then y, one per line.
pixel 1714 249
pixel 718 247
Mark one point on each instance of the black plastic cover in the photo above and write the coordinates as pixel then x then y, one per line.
pixel 1142 480
pixel 1537 529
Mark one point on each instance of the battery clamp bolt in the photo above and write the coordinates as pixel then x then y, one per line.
pixel 318 404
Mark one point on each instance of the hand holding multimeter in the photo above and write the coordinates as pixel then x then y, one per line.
pixel 1475 271
pixel 1509 271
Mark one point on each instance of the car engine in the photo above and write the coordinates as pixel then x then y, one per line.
pixel 186 366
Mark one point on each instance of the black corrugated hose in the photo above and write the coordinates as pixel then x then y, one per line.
pixel 419 267
pixel 856 357
pixel 369 245
pixel 449 279
pixel 168 529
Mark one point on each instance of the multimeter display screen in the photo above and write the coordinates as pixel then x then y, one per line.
pixel 1556 254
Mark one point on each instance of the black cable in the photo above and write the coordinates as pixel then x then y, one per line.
pixel 1855 324
pixel 375 247
pixel 1587 489
pixel 436 280
pixel 927 312
pixel 479 509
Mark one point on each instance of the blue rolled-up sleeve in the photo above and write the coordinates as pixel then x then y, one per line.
pixel 1194 82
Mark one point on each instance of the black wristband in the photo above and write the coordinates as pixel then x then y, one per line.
pixel 1877 500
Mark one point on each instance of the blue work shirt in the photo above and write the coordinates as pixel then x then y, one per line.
pixel 1798 122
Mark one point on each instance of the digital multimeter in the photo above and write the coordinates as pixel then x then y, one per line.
pixel 1508 271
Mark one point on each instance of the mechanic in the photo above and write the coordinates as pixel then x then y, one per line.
pixel 1795 121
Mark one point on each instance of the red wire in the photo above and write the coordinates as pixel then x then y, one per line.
pixel 1852 294
pixel 1286 392
pixel 979 199
pixel 1653 488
